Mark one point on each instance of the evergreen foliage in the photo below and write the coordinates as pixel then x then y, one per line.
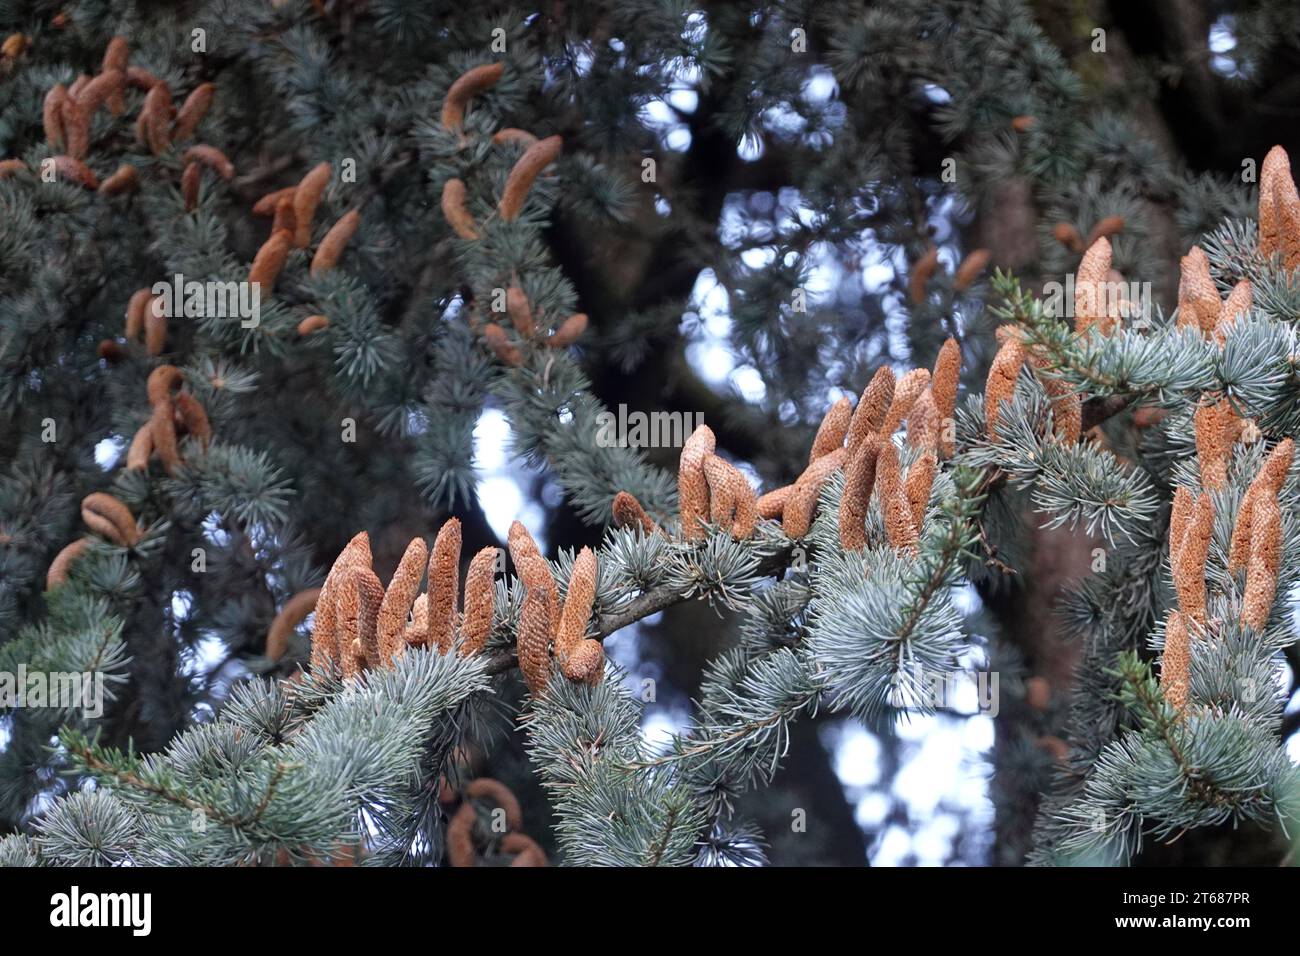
pixel 171 485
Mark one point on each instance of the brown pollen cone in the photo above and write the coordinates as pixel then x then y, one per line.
pixel 192 111
pixel 1239 546
pixel 1265 559
pixel 1090 306
pixel 692 485
pixel 1272 476
pixel 797 515
pixel 137 456
pixel 111 351
pixel 1179 515
pixel 920 479
pixel 1279 209
pixel 293 613
pixel 571 639
pixel 76 124
pixel 466 86
pixel 534 570
pixel 894 506
pixel 455 209
pixel 163 383
pixel 919 280
pixel 533 640
pixel 444 585
pixel 354 660
pixel 123 180
pixel 586 665
pixel 1276 164
pixel 526 850
pixel 325 646
pixel 73 170
pixel 270 259
pixel 772 504
pixel 99 90
pixel 52 115
pixel 1198 297
pixel 1003 373
pixel 267 205
pixel 833 429
pixel 521 543
pixel 1105 227
pixel 628 513
pixel 282 221
pixel 190 185
pixel 480 598
pixel 153 126
pixel 1068 236
pixel 859 480
pixel 495 792
pixel 162 431
pixel 417 629
pixel 722 497
pixel 305 200
pixel 568 332
pixel 1189 563
pixel 335 241
pixel 872 408
pixel 213 158
pixel 311 324
pixel 746 515
pixel 520 311
pixel 923 423
pixel 141 78
pixel 155 326
pixel 460 838
pixel 1216 427
pixel 191 413
pixel 512 134
pixel 525 171
pixel 1237 303
pixel 499 342
pixel 731 500
pixel 944 381
pixel 357 594
pixel 1175 666
pixel 397 601
pixel 370 595
pixel 910 388
pixel 971 267
pixel 1277 465
pixel 59 567
pixel 109 517
pixel 1067 409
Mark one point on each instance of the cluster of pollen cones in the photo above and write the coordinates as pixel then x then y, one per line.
pixel 68 110
pixel 856 440
pixel 361 625
pixel 1256 543
pixel 537 155
pixel 1255 547
pixel 464 830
